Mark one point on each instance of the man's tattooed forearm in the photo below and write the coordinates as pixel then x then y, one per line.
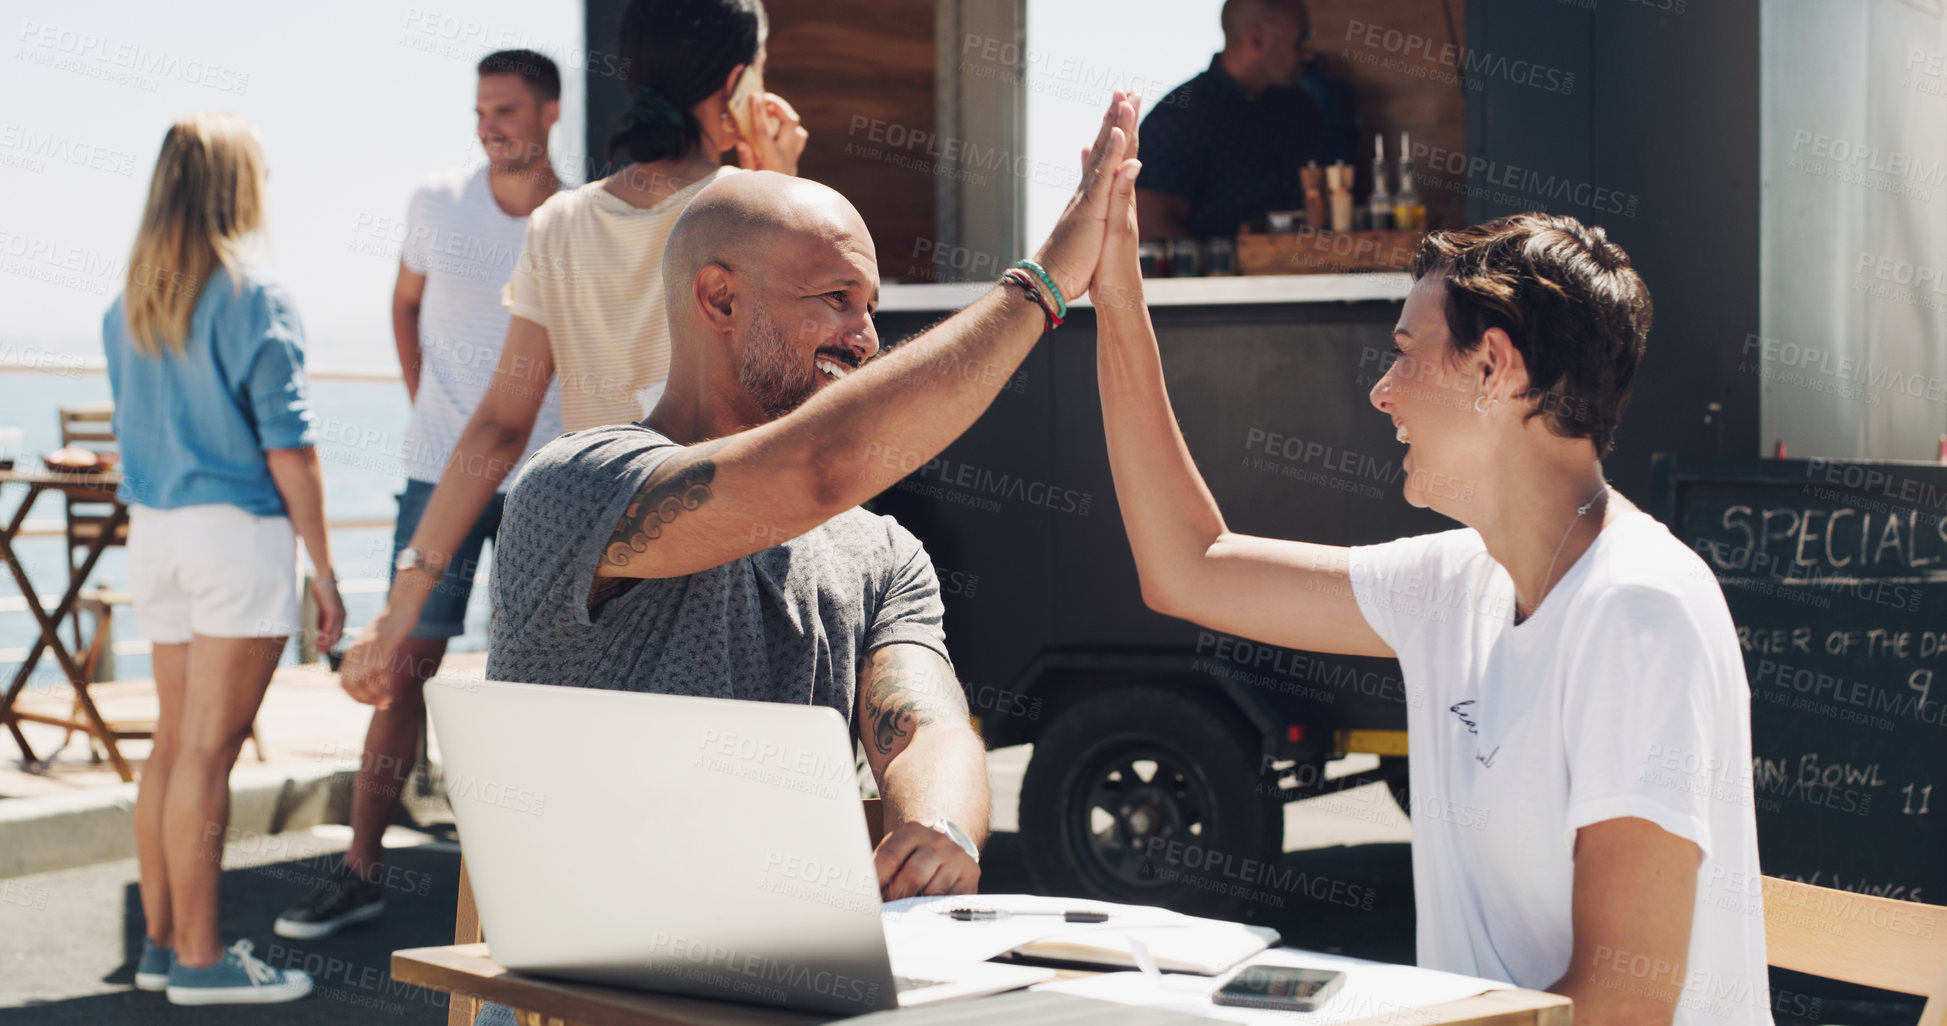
pixel 656 505
pixel 902 697
pixel 892 723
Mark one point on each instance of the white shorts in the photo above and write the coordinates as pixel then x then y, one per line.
pixel 213 570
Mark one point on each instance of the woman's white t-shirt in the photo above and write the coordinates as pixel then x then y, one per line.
pixel 1623 695
pixel 591 272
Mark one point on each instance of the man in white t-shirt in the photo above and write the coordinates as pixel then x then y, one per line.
pixel 463 238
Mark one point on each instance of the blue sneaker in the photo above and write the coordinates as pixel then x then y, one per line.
pixel 235 979
pixel 152 972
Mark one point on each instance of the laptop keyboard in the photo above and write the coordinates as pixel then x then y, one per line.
pixel 902 984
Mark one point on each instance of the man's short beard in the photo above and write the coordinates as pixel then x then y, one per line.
pixel 772 373
pixel 517 157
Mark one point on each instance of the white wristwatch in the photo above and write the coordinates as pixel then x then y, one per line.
pixel 959 836
pixel 413 559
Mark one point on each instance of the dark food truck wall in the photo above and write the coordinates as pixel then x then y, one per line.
pixel 1045 617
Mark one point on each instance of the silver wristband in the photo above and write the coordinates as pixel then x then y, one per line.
pixel 958 836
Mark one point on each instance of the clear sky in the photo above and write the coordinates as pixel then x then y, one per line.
pixel 357 101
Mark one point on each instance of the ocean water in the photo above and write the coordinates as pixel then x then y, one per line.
pixel 361 425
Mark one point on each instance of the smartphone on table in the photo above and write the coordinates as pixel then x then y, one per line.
pixel 1280 987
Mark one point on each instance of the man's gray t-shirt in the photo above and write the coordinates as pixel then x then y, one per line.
pixel 791 623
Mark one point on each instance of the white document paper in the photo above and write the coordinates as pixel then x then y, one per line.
pixel 917 928
pixel 1370 989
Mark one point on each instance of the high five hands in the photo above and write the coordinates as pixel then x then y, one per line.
pixel 1109 169
pixel 1117 287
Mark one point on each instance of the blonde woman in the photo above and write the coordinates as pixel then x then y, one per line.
pixel 206 362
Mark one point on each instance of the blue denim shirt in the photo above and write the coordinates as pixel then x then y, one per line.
pixel 193 427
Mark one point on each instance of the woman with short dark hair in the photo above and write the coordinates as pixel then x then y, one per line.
pixel 1575 685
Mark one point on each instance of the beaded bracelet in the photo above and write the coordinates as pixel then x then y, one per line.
pixel 1061 302
pixel 1016 276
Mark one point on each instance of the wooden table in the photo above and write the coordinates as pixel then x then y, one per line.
pixel 467 970
pixel 87 487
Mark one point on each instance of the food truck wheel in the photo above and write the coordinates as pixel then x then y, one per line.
pixel 1151 794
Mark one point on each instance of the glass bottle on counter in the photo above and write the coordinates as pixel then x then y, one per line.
pixel 1409 213
pixel 1381 203
pixel 1185 258
pixel 1219 257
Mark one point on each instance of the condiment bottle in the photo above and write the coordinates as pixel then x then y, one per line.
pixel 1338 179
pixel 1312 177
pixel 1381 203
pixel 1409 214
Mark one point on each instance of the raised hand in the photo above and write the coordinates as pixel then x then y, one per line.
pixel 1072 249
pixel 1118 286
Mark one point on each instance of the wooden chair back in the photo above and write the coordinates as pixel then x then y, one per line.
pixel 87 427
pixel 466 918
pixel 1858 938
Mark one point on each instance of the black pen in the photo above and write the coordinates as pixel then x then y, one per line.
pixel 972 914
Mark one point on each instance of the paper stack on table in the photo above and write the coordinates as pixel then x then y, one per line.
pixel 1178 943
pixel 1371 989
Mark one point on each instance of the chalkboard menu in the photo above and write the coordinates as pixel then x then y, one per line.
pixel 1836 575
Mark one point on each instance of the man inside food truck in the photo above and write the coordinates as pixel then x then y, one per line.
pixel 1225 147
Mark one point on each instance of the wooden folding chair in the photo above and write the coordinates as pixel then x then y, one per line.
pixel 460 1010
pixel 89 515
pixel 1858 938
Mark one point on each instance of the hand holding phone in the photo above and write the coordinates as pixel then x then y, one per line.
pixel 771 133
pixel 1280 987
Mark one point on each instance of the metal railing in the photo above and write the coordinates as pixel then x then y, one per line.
pixel 307 650
pixel 61 366
pixel 54 527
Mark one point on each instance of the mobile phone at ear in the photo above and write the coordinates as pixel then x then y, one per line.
pixel 750 84
pixel 1280 987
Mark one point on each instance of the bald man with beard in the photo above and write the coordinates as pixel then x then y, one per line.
pixel 717 548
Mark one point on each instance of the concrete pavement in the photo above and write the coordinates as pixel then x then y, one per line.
pixel 72 810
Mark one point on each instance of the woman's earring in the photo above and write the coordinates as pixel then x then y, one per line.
pixel 1478 400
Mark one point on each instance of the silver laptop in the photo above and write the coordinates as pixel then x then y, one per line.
pixel 694 845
